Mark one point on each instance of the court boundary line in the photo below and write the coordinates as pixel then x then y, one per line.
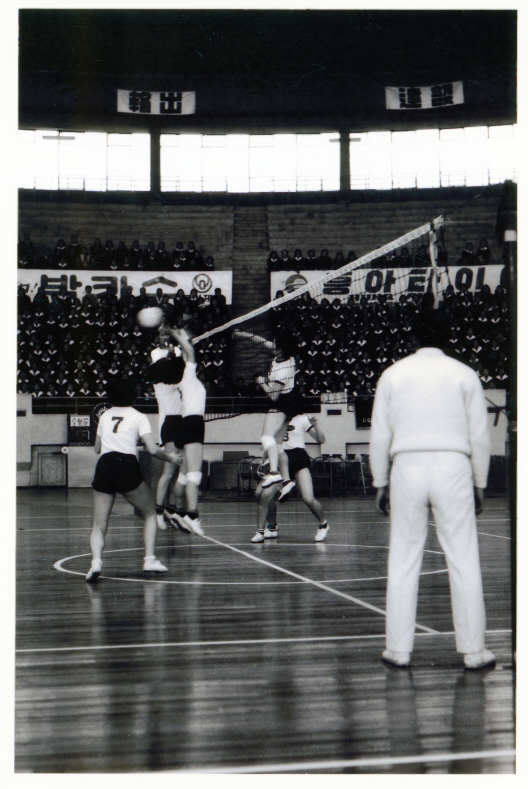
pixel 161 580
pixel 365 762
pixel 318 584
pixel 237 642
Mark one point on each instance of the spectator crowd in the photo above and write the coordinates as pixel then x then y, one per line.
pixel 70 346
pixel 344 346
pixel 401 257
pixel 113 258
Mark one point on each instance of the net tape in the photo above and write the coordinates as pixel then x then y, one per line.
pixel 315 285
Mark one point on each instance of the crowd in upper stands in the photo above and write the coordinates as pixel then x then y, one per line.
pixel 72 346
pixel 402 257
pixel 113 258
pixel 344 346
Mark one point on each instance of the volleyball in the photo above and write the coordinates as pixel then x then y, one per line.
pixel 150 317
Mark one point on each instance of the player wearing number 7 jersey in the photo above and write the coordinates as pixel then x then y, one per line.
pixel 117 471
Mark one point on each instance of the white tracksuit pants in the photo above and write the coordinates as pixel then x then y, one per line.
pixel 443 480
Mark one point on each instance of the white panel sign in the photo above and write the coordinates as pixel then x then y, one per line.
pixel 391 282
pixel 150 102
pixel 170 282
pixel 444 94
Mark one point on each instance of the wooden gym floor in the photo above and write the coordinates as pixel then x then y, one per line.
pixel 248 658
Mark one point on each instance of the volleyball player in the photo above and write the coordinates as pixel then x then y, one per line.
pixel 279 386
pixel 168 397
pixel 294 461
pixel 118 471
pixel 299 462
pixel 192 434
pixel 267 506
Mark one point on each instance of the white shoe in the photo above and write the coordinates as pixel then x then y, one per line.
pixel 95 571
pixel 321 533
pixel 259 537
pixel 153 565
pixel 193 524
pixel 270 534
pixel 271 479
pixel 177 520
pixel 398 659
pixel 473 661
pixel 286 488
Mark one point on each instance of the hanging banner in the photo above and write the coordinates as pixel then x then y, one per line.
pixel 204 282
pixel 148 102
pixel 391 282
pixel 444 94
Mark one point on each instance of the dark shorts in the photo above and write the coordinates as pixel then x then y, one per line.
pixel 117 473
pixel 297 460
pixel 192 430
pixel 287 403
pixel 171 430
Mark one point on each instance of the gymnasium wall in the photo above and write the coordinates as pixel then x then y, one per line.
pixel 240 230
pixel 44 433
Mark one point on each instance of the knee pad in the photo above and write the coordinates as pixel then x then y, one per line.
pixel 194 476
pixel 267 442
pixel 182 478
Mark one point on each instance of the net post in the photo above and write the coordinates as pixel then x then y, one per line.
pixel 433 254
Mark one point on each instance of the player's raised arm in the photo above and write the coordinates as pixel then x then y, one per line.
pixel 256 338
pixel 184 341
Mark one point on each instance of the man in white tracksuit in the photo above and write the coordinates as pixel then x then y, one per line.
pixel 430 420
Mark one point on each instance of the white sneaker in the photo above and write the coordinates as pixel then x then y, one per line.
pixel 473 661
pixel 176 520
pixel 95 571
pixel 259 537
pixel 193 524
pixel 286 488
pixel 321 533
pixel 271 479
pixel 398 659
pixel 270 534
pixel 153 565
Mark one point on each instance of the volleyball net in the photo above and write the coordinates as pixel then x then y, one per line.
pixel 324 318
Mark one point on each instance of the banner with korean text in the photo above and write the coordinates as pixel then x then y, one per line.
pixel 443 94
pixel 204 282
pixel 390 282
pixel 149 102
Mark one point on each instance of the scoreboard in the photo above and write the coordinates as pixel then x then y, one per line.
pixel 79 431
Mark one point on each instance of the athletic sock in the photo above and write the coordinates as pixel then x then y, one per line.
pixel 192 514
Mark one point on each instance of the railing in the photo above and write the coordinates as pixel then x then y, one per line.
pixel 265 184
pixel 217 407
pixel 432 181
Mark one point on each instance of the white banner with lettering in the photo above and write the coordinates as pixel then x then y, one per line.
pixel 444 94
pixel 152 102
pixel 392 282
pixel 170 282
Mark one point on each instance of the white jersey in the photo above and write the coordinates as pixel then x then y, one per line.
pixel 283 372
pixel 296 432
pixel 192 392
pixel 428 402
pixel 120 428
pixel 159 353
